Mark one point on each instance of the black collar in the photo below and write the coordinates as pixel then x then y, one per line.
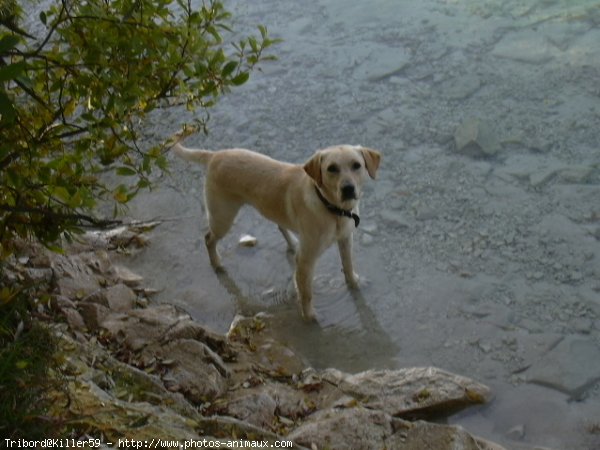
pixel 338 211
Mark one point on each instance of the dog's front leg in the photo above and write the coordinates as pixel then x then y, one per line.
pixel 305 266
pixel 345 247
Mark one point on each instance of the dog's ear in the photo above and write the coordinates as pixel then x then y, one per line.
pixel 372 159
pixel 313 168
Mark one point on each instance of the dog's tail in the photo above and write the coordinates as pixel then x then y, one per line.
pixel 192 154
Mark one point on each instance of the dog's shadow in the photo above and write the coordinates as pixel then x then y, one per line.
pixel 363 345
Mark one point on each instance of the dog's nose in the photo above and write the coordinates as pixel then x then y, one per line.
pixel 348 192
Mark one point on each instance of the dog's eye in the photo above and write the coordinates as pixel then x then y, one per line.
pixel 356 165
pixel 333 169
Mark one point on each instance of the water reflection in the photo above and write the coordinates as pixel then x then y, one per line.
pixel 347 336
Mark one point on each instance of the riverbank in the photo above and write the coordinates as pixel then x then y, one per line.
pixel 139 370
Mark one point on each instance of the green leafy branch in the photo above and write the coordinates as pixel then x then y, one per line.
pixel 74 100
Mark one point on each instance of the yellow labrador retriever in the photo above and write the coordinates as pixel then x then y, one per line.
pixel 318 201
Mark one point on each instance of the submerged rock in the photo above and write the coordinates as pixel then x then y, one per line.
pixel 572 367
pixel 476 138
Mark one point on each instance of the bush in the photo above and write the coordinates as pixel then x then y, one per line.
pixel 75 90
pixel 73 99
pixel 26 357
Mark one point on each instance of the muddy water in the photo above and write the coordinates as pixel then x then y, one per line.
pixel 486 265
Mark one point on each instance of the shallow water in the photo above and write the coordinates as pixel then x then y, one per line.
pixel 488 266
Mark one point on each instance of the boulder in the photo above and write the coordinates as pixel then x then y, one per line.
pixel 360 428
pixel 270 404
pixel 193 369
pixel 409 393
pixel 126 276
pixel 75 279
pixel 120 298
pixel 140 327
pixel 93 314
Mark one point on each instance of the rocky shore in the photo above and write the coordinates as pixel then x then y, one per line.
pixel 136 369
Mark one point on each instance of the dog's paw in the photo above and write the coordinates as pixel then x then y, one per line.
pixel 309 314
pixel 219 270
pixel 354 281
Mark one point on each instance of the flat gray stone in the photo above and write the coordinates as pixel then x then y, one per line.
pixel 572 367
pixel 525 46
pixel 476 137
pixel 410 392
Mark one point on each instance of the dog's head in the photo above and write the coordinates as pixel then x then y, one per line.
pixel 339 171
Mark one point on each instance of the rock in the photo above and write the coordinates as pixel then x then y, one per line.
pixel 525 46
pixel 542 177
pixel 425 213
pixel 250 334
pixel 396 218
pixel 256 407
pixel 193 369
pixel 268 404
pixel 572 367
pixel 460 88
pixel 120 298
pixel 123 236
pixel 126 276
pixel 135 405
pixel 75 279
pixel 98 261
pixel 187 328
pixel 264 388
pixel 292 402
pixel 197 371
pixel 476 138
pixel 38 276
pixel 381 62
pixel 516 433
pixel 93 314
pixel 359 428
pixel 238 429
pixel 247 241
pixel 575 174
pixel 421 435
pixel 140 327
pixel 409 393
pixel 74 319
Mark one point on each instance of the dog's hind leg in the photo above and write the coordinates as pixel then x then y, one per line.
pixel 221 214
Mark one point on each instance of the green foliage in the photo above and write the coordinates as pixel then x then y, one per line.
pixel 26 356
pixel 74 98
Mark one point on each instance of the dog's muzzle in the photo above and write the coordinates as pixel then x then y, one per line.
pixel 348 192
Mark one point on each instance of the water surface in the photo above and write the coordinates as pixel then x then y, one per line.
pixel 488 266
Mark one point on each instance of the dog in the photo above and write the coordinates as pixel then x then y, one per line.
pixel 317 201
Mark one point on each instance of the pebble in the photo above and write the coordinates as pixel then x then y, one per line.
pixel 247 240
